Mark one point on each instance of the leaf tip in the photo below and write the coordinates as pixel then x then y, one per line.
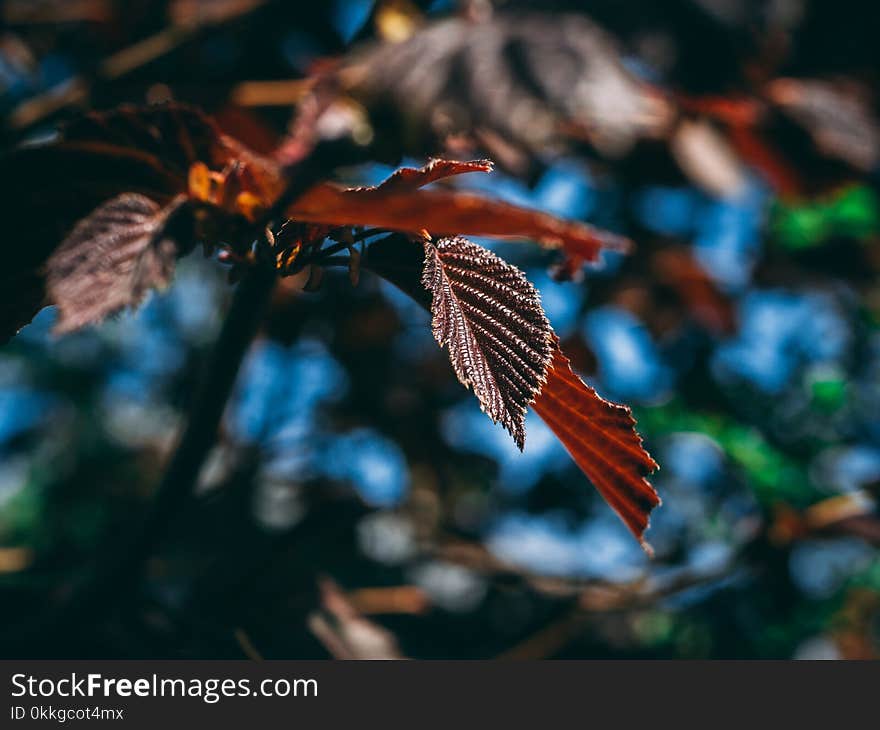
pixel 602 439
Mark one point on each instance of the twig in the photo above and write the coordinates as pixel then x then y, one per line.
pixel 549 640
pixel 79 90
pixel 283 93
pixel 604 598
pixel 326 256
pixel 389 599
pixel 247 646
pixel 344 632
pixel 251 299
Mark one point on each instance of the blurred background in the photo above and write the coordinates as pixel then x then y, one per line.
pixel 357 503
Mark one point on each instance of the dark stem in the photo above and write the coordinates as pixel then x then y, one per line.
pixel 326 256
pixel 319 256
pixel 327 252
pixel 121 573
pixel 114 580
pixel 205 411
pixel 248 305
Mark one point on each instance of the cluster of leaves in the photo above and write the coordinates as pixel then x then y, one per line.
pixel 170 179
pixel 529 85
pixel 748 351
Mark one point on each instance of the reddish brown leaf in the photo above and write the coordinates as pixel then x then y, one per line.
pixel 777 170
pixel 148 151
pixel 397 204
pixel 741 117
pixel 110 261
pixel 599 435
pixel 677 268
pixel 411 178
pixel 490 317
pixel 602 440
pixel 129 142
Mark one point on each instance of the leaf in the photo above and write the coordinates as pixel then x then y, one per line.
pixel 148 150
pixel 837 116
pixel 345 632
pixel 602 440
pixel 526 78
pixel 142 150
pixel 490 317
pixel 707 158
pixel 161 152
pixel 676 267
pixel 398 204
pixel 92 159
pixel 851 212
pixel 600 436
pixel 411 178
pixel 110 261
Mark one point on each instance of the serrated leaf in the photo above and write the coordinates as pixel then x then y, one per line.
pixel 110 260
pixel 602 440
pixel 490 317
pixel 600 436
pixel 142 150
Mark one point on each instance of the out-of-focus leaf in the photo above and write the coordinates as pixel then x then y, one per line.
pixel 602 440
pixel 837 117
pixel 490 317
pixel 776 169
pixel 531 79
pixel 772 474
pixel 141 150
pixel 707 158
pixel 740 118
pixel 852 212
pixel 345 633
pixel 110 261
pixel 396 20
pixel 678 269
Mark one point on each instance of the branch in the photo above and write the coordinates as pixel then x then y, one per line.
pixel 245 313
pixel 113 581
pixel 80 89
